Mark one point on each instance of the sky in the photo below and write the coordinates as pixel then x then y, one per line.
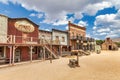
pixel 100 17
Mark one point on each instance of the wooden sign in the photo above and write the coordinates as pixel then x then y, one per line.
pixel 24 26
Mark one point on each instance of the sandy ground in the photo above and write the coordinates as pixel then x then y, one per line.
pixel 104 66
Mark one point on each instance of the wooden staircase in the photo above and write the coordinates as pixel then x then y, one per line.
pixel 52 51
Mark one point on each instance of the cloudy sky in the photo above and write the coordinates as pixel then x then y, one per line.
pixel 100 17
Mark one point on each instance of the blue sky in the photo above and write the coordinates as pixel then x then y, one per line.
pixel 101 17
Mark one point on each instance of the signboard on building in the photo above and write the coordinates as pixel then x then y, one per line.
pixel 24 26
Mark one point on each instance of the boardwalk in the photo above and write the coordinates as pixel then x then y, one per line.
pixel 104 66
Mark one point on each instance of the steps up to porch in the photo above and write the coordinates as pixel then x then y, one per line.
pixel 51 51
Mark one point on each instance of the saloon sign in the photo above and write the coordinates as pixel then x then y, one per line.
pixel 24 26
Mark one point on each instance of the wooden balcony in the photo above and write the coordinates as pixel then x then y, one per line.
pixel 12 39
pixel 81 38
pixel 55 42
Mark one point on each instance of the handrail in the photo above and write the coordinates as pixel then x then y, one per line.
pixel 49 46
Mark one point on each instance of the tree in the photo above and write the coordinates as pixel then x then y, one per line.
pixel 99 42
pixel 117 43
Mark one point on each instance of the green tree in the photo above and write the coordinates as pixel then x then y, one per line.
pixel 118 44
pixel 99 42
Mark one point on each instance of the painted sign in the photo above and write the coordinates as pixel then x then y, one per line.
pixel 24 26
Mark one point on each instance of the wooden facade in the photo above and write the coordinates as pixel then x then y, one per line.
pixel 21 40
pixel 60 40
pixel 109 45
pixel 78 39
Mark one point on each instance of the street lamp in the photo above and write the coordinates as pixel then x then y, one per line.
pixel 77 44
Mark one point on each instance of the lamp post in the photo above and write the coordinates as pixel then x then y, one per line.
pixel 77 44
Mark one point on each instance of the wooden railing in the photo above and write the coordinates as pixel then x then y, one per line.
pixel 18 39
pixel 52 50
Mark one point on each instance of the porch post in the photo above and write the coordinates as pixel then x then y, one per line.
pixel 14 39
pixel 43 53
pixel 10 55
pixel 60 50
pixel 13 55
pixel 31 47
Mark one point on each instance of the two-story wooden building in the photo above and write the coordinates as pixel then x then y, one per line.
pixel 60 41
pixel 18 39
pixel 78 39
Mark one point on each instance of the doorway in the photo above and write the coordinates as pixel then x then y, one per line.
pixel 110 47
pixel 17 55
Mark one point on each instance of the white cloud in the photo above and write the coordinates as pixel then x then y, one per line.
pixel 107 25
pixel 66 27
pixel 56 10
pixel 112 35
pixel 94 28
pixel 39 15
pixel 97 38
pixel 88 35
pixel 92 9
pixel 47 29
pixel 61 22
pixel 78 15
pixel 82 24
pixel 103 30
pixel 103 34
pixel 4 1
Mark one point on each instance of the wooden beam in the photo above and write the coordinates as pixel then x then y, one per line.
pixel 43 53
pixel 13 57
pixel 10 60
pixel 31 47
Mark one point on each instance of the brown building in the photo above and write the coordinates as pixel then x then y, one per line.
pixel 18 39
pixel 109 45
pixel 78 39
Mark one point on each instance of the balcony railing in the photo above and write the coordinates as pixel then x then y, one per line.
pixel 81 38
pixel 18 39
pixel 56 42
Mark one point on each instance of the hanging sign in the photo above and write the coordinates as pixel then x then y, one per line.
pixel 24 26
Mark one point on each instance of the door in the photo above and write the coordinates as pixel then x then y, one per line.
pixel 17 55
pixel 110 47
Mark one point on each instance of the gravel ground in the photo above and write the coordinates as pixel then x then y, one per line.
pixel 104 66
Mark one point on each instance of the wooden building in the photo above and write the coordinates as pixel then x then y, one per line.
pixel 46 35
pixel 109 45
pixel 19 40
pixel 60 40
pixel 78 39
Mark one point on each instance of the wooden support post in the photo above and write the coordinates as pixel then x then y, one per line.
pixel 43 53
pixel 13 57
pixel 10 55
pixel 31 47
pixel 14 39
pixel 78 60
pixel 51 53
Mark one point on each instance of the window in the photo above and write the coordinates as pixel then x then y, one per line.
pixel 57 38
pixel 34 50
pixel 1 52
pixel 63 39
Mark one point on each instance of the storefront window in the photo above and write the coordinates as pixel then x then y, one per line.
pixel 63 39
pixel 1 52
